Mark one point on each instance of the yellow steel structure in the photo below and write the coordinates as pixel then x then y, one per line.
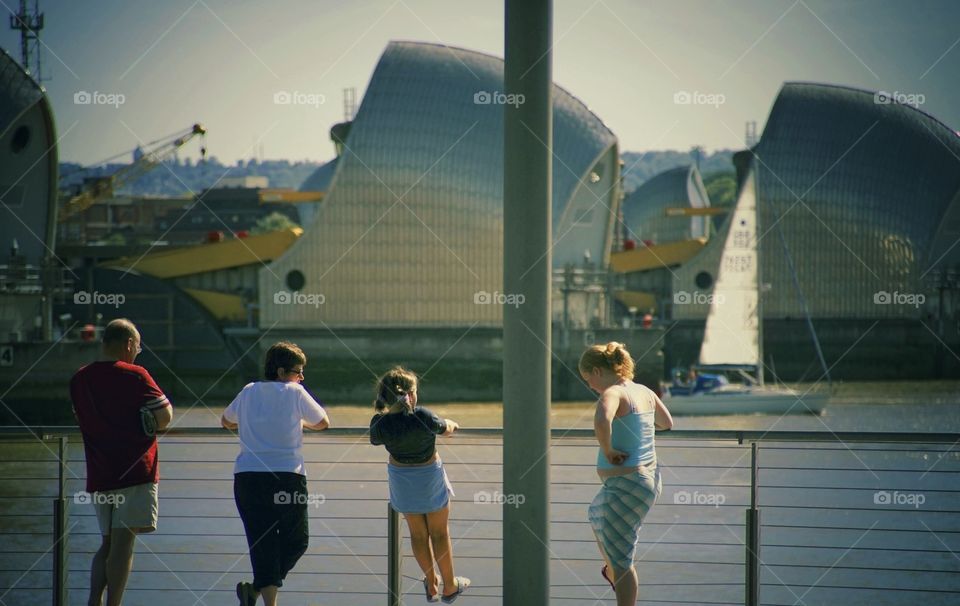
pixel 211 257
pixel 290 196
pixel 651 257
pixel 695 211
pixel 222 306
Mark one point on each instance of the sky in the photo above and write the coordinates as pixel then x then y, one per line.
pixel 662 75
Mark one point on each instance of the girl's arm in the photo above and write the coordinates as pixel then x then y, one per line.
pixel 662 418
pixel 452 426
pixel 607 408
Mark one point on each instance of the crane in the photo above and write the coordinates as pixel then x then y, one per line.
pixel 146 158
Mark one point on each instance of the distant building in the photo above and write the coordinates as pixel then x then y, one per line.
pixel 133 218
pixel 226 210
pixel 319 180
pixel 410 232
pixel 644 209
pixel 859 199
pixel 248 182
pixel 864 196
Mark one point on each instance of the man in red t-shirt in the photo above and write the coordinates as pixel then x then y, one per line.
pixel 110 399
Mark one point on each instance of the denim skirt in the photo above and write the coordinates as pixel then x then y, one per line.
pixel 420 488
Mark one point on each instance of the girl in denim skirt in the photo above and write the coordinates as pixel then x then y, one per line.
pixel 419 487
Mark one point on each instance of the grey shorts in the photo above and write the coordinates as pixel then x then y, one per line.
pixel 134 507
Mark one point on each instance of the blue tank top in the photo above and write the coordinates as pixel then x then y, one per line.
pixel 633 433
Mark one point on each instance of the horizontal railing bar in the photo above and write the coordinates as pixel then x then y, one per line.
pixel 698 602
pixel 870 568
pixel 870 587
pixel 884 549
pixel 50 431
pixel 884 509
pixel 858 528
pixel 809 487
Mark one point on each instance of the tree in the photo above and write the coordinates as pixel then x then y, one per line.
pixel 275 221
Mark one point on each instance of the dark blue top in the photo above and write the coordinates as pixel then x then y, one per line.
pixel 410 437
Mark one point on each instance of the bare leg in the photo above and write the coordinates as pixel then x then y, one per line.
pixel 442 547
pixel 269 595
pixel 420 540
pixel 119 562
pixel 98 573
pixel 626 584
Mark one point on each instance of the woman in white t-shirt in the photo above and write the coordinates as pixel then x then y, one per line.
pixel 270 482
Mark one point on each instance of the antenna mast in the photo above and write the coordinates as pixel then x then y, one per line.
pixel 349 104
pixel 29 24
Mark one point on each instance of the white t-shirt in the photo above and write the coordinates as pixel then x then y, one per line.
pixel 269 414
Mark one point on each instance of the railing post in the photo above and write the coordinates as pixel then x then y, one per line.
pixel 752 538
pixel 393 556
pixel 60 550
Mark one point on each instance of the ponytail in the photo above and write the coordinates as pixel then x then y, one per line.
pixel 395 387
pixel 613 357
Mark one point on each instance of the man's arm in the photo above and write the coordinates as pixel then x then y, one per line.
pixel 163 416
pixel 227 424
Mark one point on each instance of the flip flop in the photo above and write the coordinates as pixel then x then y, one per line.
pixel 462 584
pixel 246 594
pixel 603 573
pixel 426 590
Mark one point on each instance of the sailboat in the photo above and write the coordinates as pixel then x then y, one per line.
pixel 733 339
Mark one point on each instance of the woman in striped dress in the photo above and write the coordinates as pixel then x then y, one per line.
pixel 626 417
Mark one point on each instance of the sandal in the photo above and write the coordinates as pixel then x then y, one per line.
pixel 462 584
pixel 246 594
pixel 603 573
pixel 426 590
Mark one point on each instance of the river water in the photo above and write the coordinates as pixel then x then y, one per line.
pixel 853 524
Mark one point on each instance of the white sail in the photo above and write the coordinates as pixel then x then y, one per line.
pixel 733 330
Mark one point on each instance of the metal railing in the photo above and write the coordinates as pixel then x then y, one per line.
pixel 851 517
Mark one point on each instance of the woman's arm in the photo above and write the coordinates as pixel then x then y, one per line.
pixel 325 423
pixel 607 408
pixel 661 417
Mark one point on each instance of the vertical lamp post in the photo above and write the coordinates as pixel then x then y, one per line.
pixel 527 180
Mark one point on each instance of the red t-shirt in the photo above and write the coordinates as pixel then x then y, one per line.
pixel 107 398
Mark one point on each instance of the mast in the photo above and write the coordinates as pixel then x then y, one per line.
pixel 756 190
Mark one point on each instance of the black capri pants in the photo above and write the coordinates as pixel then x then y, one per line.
pixel 273 507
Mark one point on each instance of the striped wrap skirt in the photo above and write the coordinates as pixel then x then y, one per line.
pixel 617 513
